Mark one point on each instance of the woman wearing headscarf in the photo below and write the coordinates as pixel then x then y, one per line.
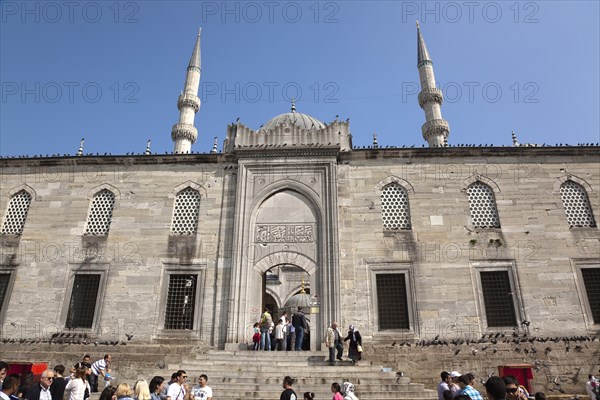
pixel 355 348
pixel 348 391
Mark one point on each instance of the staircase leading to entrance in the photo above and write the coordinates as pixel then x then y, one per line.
pixel 245 375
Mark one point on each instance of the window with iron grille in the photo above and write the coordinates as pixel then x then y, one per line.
pixel 4 280
pixel 577 205
pixel 18 207
pixel 100 214
pixel 591 281
pixel 185 212
pixel 83 301
pixel 395 211
pixel 181 301
pixel 392 301
pixel 482 206
pixel 498 299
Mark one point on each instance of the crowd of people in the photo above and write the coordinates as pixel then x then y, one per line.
pixel 340 392
pixel 456 386
pixel 287 335
pixel 86 377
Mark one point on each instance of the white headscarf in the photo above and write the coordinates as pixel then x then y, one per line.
pixel 348 391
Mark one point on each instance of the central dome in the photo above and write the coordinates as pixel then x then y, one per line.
pixel 294 118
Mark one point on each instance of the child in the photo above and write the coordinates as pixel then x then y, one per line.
pixel 256 337
pixel 107 377
pixel 279 335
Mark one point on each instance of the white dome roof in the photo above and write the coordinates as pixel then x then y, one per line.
pixel 294 118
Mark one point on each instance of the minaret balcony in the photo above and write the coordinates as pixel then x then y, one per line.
pixel 435 127
pixel 430 95
pixel 185 132
pixel 188 100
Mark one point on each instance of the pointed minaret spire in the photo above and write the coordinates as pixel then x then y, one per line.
pixel 80 150
pixel 435 129
pixel 184 134
pixel 195 60
pixel 422 53
pixel 148 152
pixel 215 148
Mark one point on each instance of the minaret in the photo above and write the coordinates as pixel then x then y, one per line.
pixel 435 129
pixel 184 133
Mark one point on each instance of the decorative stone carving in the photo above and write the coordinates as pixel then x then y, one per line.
pixel 292 233
pixel 429 95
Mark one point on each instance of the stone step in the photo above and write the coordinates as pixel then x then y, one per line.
pixel 368 387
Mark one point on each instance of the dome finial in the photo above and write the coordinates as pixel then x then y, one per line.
pixel 293 104
pixel 302 288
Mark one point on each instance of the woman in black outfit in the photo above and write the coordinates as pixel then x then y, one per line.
pixel 355 341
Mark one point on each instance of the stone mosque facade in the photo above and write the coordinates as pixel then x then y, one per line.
pixel 404 243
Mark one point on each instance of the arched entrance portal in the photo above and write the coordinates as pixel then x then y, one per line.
pixel 285 288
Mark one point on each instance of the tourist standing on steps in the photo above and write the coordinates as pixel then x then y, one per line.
pixel 291 336
pixel 99 369
pixel 202 391
pixel 285 319
pixel 355 348
pixel 78 386
pixel 57 388
pixel 495 388
pixel 333 341
pixel 348 391
pixel 288 393
pixel 279 335
pixel 156 387
pixel 265 325
pixel 336 389
pixel 299 323
pixel 178 389
pixel 41 391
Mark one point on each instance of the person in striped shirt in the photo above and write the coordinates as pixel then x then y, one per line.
pixel 99 369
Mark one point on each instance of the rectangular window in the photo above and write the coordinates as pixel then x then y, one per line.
pixel 591 281
pixel 498 299
pixel 392 302
pixel 4 281
pixel 83 301
pixel 181 300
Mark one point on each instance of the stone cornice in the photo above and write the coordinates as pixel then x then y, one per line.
pixel 584 154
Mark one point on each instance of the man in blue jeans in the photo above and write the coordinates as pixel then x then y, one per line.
pixel 299 323
pixel 265 324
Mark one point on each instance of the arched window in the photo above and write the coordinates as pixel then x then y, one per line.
pixel 482 205
pixel 395 210
pixel 100 215
pixel 185 212
pixel 14 220
pixel 577 205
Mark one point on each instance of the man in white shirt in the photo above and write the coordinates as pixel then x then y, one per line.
pixel 202 391
pixel 178 389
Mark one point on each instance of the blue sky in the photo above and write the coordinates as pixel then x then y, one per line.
pixel 111 71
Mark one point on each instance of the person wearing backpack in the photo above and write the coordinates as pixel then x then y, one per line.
pixel 265 324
